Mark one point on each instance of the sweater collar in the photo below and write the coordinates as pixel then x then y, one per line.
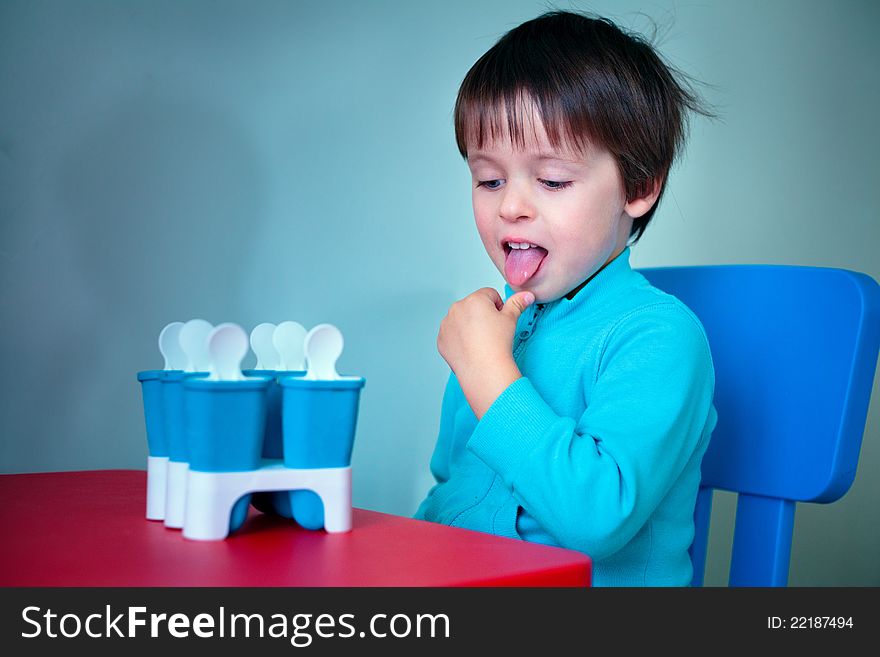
pixel 605 283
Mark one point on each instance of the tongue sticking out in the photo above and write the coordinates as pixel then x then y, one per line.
pixel 522 264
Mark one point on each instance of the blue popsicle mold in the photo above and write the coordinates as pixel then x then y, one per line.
pixel 225 428
pixel 151 388
pixel 225 423
pixel 274 437
pixel 319 421
pixel 172 412
pixel 173 420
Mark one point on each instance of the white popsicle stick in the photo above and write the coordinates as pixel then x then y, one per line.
pixel 169 346
pixel 227 346
pixel 194 342
pixel 263 347
pixel 288 339
pixel 323 346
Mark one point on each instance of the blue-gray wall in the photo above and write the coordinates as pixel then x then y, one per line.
pixel 262 161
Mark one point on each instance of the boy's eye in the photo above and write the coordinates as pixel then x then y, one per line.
pixel 489 184
pixel 553 184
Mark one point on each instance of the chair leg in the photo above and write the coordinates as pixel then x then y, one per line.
pixel 702 513
pixel 761 541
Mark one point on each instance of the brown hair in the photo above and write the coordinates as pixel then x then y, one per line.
pixel 592 83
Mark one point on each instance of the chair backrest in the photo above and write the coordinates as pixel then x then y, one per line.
pixel 795 350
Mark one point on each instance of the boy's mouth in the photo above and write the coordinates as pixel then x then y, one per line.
pixel 523 259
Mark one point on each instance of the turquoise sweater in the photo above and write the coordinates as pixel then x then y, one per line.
pixel 597 447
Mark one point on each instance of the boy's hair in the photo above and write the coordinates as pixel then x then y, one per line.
pixel 592 83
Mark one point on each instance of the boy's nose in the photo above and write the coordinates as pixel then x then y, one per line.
pixel 516 203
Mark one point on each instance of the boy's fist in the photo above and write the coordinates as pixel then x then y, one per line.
pixel 476 340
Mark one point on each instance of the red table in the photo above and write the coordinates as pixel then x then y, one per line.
pixel 88 529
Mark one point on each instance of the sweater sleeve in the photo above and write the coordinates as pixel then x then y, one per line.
pixel 592 482
pixel 452 399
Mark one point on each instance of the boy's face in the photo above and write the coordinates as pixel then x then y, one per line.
pixel 572 206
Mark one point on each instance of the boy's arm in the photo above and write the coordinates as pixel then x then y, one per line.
pixel 593 482
pixel 452 400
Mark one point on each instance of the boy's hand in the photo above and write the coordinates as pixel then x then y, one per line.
pixel 476 340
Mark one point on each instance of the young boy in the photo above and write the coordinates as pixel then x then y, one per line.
pixel 578 411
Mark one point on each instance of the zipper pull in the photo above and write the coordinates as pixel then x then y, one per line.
pixel 529 328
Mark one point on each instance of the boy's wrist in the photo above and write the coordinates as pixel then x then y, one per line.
pixel 483 385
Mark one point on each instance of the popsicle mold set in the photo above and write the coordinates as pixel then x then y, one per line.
pixel 278 437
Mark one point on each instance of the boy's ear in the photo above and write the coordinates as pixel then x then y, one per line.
pixel 638 206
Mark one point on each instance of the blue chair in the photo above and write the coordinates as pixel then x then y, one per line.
pixel 795 349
